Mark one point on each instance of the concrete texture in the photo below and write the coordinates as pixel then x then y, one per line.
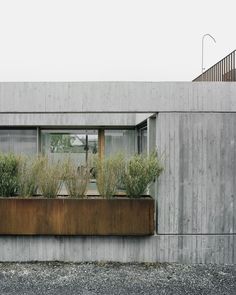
pixel 134 97
pixel 196 192
pixel 217 249
pixel 67 120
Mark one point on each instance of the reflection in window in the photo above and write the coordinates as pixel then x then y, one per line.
pixel 79 145
pixel 73 143
pixel 142 139
pixel 120 141
pixel 18 141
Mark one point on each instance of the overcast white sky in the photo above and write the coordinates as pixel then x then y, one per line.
pixel 109 40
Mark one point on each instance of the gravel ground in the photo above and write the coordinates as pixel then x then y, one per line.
pixel 115 278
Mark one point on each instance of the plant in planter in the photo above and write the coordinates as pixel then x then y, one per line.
pixel 76 179
pixel 28 171
pixel 50 177
pixel 140 171
pixel 9 164
pixel 67 216
pixel 108 173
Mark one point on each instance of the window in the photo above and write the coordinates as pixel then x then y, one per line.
pixel 142 139
pixel 18 141
pixel 120 141
pixel 79 144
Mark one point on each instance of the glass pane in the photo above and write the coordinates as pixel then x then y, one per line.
pixel 120 141
pixel 79 145
pixel 19 141
pixel 142 140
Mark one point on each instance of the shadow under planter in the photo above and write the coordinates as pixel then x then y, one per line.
pixel 66 216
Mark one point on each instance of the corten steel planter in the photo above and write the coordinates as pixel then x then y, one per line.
pixel 64 216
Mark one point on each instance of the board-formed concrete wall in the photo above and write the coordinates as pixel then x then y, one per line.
pixel 196 193
pixel 194 129
pixel 112 97
pixel 159 248
pixel 66 120
pixel 197 190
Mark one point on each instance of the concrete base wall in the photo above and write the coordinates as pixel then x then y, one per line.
pixel 220 249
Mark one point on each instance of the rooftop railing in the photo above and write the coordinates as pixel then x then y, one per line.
pixel 224 70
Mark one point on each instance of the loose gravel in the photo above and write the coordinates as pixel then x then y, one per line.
pixel 115 278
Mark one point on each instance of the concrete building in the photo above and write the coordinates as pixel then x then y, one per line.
pixel 192 124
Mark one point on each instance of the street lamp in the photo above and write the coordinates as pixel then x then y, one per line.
pixel 203 37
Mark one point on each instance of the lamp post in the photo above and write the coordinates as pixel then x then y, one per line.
pixel 203 37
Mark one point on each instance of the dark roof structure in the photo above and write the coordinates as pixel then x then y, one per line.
pixel 224 70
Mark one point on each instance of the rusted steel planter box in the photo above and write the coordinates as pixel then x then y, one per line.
pixel 64 216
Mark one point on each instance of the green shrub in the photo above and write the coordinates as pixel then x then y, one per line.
pixel 76 179
pixel 108 173
pixel 9 165
pixel 29 169
pixel 50 177
pixel 140 171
